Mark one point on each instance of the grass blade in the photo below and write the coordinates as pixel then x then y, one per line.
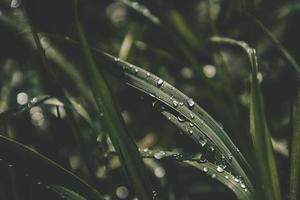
pixel 295 151
pixel 121 139
pixel 217 172
pixel 39 167
pixel 261 138
pixel 284 52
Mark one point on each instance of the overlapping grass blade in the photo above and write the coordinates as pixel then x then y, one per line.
pixel 121 139
pixel 217 172
pixel 66 193
pixel 295 151
pixel 42 169
pixel 261 138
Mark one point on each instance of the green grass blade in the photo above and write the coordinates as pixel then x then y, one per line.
pixel 66 193
pixel 235 184
pixel 295 151
pixel 261 138
pixel 183 111
pixel 284 52
pixel 121 139
pixel 42 169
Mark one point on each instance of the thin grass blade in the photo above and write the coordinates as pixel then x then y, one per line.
pixel 261 138
pixel 295 151
pixel 121 139
pixel 42 169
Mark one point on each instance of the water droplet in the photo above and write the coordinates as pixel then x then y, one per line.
pixel 146 150
pixel 159 155
pixel 191 124
pixel 246 190
pixel 148 74
pixel 181 103
pixel 226 177
pixel 205 169
pixel 152 95
pixel 175 103
pixel 117 59
pixel 39 183
pixel 243 185
pixel 236 179
pixel 136 70
pixel 181 118
pixel 213 176
pixel 154 195
pixel 209 71
pixel 169 118
pixel 192 115
pixel 203 142
pixel 15 3
pixel 10 165
pixel 191 103
pixel 160 82
pixel 190 132
pixel 220 168
pixel 212 148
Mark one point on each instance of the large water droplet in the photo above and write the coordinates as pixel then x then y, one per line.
pixel 220 168
pixel 191 103
pixel 205 169
pixel 181 118
pixel 160 82
pixel 243 185
pixel 159 172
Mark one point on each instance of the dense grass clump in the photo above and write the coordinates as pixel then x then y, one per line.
pixel 149 100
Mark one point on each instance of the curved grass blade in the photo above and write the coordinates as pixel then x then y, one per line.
pixel 184 112
pixel 295 151
pixel 236 184
pixel 284 52
pixel 121 139
pixel 66 193
pixel 261 138
pixel 41 168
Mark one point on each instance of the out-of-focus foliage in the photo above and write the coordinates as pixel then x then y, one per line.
pixel 174 40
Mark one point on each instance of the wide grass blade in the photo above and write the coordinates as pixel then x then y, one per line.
pixel 295 151
pixel 113 122
pixel 42 169
pixel 261 138
pixel 236 184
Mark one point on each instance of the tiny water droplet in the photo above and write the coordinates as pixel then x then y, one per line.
pixel 152 95
pixel 39 183
pixel 191 103
pixel 213 176
pixel 192 115
pixel 175 103
pixel 10 165
pixel 243 185
pixel 160 82
pixel 169 118
pixel 236 179
pixel 246 190
pixel 145 150
pixel 191 124
pixel 205 169
pixel 190 132
pixel 226 177
pixel 181 103
pixel 148 74
pixel 203 142
pixel 136 70
pixel 117 59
